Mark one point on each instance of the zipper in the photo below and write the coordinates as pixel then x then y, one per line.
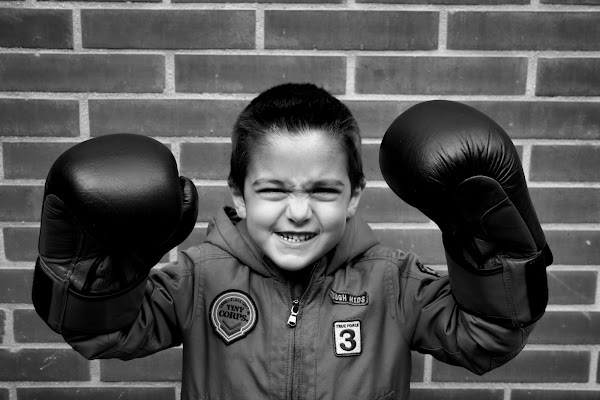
pixel 293 318
pixel 292 322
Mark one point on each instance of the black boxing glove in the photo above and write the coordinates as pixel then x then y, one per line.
pixel 113 206
pixel 461 169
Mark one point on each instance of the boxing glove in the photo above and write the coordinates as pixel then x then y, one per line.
pixel 461 169
pixel 113 206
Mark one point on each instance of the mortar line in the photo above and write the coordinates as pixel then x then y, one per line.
pixel 526 160
pixel 84 120
pixel 427 368
pixel 259 33
pixel 593 367
pixel 443 31
pixel 351 74
pixel 170 84
pixel 77 32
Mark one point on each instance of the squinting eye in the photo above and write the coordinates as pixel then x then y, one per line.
pixel 272 193
pixel 326 190
pixel 325 193
pixel 271 190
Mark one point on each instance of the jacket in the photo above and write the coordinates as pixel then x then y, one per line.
pixel 358 315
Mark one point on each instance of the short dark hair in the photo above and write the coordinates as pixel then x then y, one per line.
pixel 294 108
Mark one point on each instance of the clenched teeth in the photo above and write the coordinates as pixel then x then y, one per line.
pixel 296 237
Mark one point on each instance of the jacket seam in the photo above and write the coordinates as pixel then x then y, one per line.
pixel 395 261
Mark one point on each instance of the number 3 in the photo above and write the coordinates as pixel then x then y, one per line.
pixel 349 339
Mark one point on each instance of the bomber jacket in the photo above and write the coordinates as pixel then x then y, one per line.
pixel 358 315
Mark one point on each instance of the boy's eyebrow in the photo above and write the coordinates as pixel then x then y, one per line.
pixel 263 181
pixel 328 182
pixel 320 182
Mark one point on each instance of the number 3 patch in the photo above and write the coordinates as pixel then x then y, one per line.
pixel 348 338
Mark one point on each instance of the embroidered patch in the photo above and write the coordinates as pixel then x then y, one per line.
pixel 427 270
pixel 348 338
pixel 349 298
pixel 233 315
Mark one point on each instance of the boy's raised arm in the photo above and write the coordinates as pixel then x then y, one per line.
pixel 461 169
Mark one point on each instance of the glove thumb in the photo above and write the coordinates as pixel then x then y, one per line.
pixel 189 214
pixel 492 219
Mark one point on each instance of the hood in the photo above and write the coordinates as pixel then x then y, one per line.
pixel 230 233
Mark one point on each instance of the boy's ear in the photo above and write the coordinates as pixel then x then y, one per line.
pixel 238 201
pixel 354 200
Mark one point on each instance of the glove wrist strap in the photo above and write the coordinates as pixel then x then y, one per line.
pixel 69 312
pixel 513 293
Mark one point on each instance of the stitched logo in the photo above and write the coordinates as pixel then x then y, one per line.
pixel 233 315
pixel 361 299
pixel 348 338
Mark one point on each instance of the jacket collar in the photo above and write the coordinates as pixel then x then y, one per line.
pixel 230 233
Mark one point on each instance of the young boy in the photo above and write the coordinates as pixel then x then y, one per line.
pixel 290 296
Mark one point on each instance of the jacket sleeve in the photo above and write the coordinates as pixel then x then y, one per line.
pixel 435 324
pixel 166 312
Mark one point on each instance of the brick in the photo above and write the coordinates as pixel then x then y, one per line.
pixel 168 29
pixel 36 28
pixel 496 30
pixel 164 117
pixel 144 369
pixel 520 119
pixel 4 395
pixel 211 199
pixel 96 393
pixel 374 117
pixel 425 243
pixel 15 285
pixel 572 287
pixel 82 72
pixel 2 330
pixel 456 394
pixel 382 205
pixel 550 394
pixel 262 1
pixel 441 75
pixel 565 163
pixel 572 2
pixel 30 328
pixel 36 117
pixel 205 160
pixel 574 247
pixel 545 119
pixel 527 367
pixel 566 205
pixel 351 30
pixel 20 244
pixel 567 327
pixel 195 238
pixel 20 203
pixel 448 2
pixel 31 160
pixel 232 73
pixel 111 1
pixel 568 76
pixel 417 367
pixel 43 365
pixel 370 158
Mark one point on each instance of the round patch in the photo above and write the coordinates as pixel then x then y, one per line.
pixel 233 315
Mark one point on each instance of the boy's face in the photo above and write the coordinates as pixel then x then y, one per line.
pixel 297 198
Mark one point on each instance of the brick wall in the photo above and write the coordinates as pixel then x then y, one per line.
pixel 181 71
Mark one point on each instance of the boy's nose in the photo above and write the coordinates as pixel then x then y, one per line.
pixel 298 209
